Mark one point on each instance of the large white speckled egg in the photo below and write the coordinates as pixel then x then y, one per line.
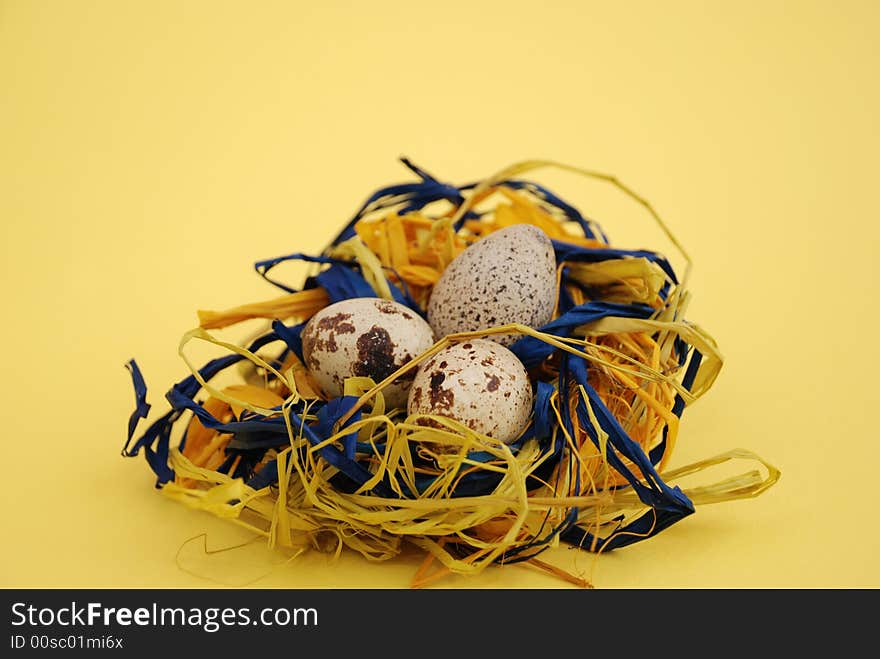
pixel 365 336
pixel 480 384
pixel 507 277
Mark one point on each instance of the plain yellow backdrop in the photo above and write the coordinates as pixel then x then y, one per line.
pixel 151 151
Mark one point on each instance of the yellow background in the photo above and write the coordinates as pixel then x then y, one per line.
pixel 151 151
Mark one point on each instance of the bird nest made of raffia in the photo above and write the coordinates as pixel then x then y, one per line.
pixel 611 374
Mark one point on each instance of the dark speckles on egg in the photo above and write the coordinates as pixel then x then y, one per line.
pixel 437 378
pixel 375 354
pixel 330 322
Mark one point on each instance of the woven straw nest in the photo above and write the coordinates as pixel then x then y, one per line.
pixel 612 374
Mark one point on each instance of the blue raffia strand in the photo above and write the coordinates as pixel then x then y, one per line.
pixel 254 434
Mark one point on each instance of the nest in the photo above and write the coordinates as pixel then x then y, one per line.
pixel 612 373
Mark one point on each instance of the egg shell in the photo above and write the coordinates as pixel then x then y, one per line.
pixel 478 383
pixel 368 337
pixel 507 277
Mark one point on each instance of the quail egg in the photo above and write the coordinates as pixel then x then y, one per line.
pixel 480 384
pixel 507 277
pixel 368 337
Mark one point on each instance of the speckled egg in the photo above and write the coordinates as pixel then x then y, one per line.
pixel 478 383
pixel 365 336
pixel 507 277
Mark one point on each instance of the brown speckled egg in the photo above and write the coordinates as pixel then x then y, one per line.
pixel 507 277
pixel 365 336
pixel 478 383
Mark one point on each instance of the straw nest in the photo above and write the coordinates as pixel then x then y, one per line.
pixel 612 373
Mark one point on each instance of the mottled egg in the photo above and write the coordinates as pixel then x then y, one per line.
pixel 478 383
pixel 368 337
pixel 507 277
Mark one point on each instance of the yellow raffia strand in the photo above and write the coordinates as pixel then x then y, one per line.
pixel 746 485
pixel 296 306
pixel 620 280
pixel 411 248
pixel 520 209
pixel 371 266
pixel 199 333
pixel 634 370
